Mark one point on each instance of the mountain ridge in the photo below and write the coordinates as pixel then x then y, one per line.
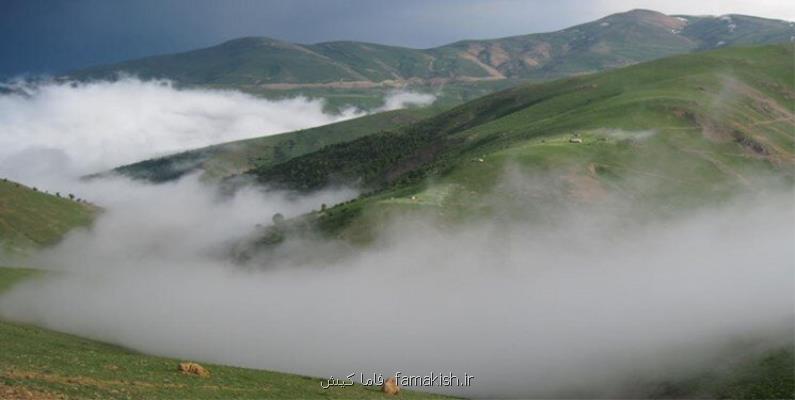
pixel 613 41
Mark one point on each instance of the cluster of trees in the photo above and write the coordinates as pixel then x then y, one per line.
pixel 282 151
pixel 167 168
pixel 71 197
pixel 371 161
pixel 394 157
pixel 366 160
pixel 375 162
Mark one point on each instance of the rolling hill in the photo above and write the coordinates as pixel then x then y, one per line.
pixel 30 219
pixel 673 132
pixel 257 64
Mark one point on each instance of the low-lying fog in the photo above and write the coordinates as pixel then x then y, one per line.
pixel 587 304
pixel 579 306
pixel 61 129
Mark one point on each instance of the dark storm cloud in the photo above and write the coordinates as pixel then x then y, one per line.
pixel 53 36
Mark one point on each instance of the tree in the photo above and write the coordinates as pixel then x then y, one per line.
pixel 278 218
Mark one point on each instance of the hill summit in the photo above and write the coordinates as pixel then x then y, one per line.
pixel 613 41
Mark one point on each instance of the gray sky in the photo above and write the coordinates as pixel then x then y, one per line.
pixel 38 36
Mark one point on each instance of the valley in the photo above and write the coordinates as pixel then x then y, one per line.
pixel 602 211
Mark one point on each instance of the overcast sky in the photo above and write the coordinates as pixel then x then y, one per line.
pixel 48 36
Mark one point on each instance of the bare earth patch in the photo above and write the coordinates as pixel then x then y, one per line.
pixel 493 72
pixel 585 187
pixel 19 392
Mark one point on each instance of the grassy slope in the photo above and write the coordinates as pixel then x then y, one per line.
pixel 56 364
pixel 30 218
pixel 767 376
pixel 714 121
pixel 226 159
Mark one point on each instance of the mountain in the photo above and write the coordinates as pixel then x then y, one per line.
pixel 617 40
pixel 672 132
pixel 30 218
pixel 334 71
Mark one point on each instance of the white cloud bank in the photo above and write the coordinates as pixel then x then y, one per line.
pixel 57 129
pixel 402 99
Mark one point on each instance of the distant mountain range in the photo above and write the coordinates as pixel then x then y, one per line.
pixel 617 40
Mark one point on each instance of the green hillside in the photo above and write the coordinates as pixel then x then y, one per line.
pixel 268 66
pixel 39 364
pixel 31 219
pixel 674 132
pixel 220 161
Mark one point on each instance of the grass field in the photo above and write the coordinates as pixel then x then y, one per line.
pixel 31 219
pixel 678 132
pixel 52 365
